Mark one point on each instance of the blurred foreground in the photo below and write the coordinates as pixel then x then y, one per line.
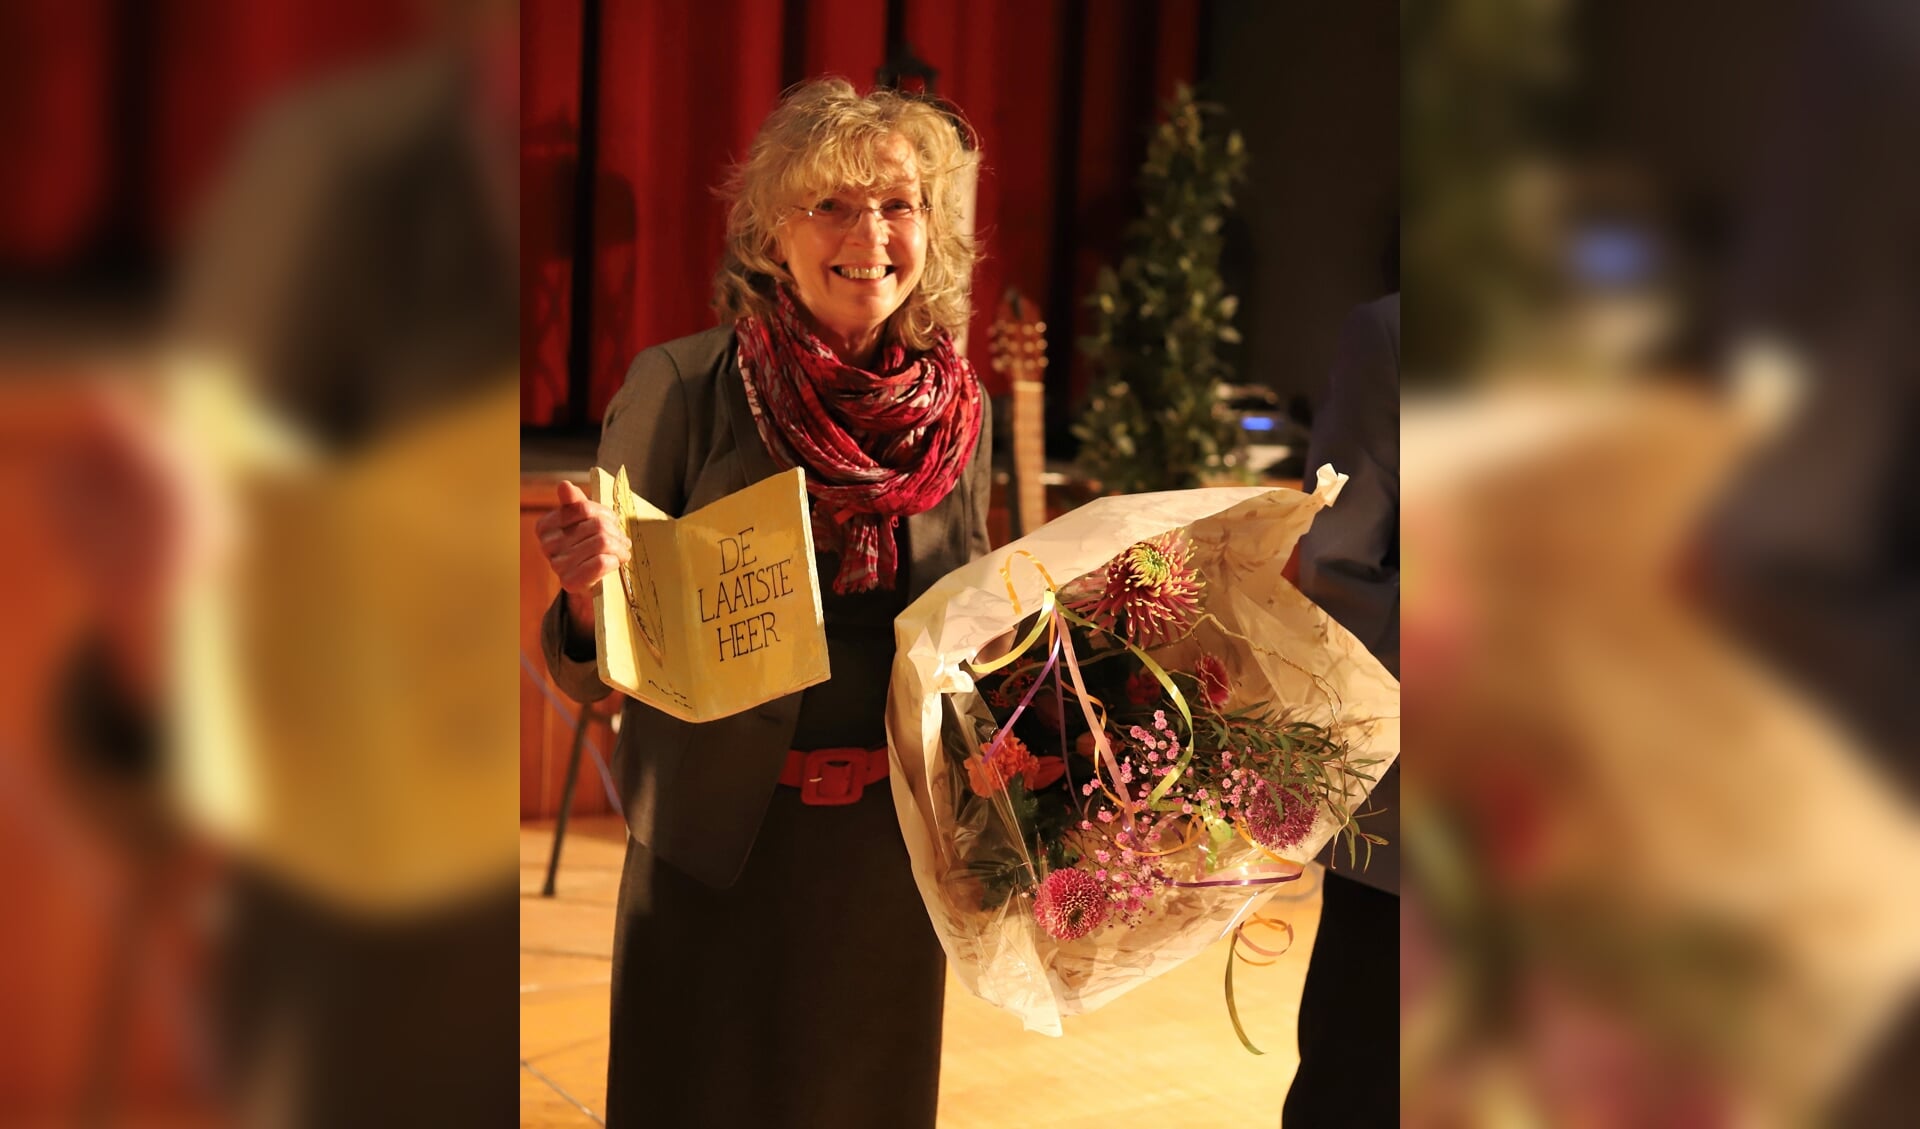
pixel 1660 630
pixel 258 473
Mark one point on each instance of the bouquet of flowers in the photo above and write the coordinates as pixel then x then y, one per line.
pixel 1099 778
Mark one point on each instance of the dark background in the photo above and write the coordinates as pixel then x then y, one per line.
pixel 1062 93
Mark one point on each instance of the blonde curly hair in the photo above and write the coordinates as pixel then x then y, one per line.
pixel 824 137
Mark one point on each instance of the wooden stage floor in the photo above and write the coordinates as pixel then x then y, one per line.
pixel 1163 1055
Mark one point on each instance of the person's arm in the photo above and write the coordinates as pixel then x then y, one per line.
pixel 646 431
pixel 1350 559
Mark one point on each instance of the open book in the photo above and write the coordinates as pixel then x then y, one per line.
pixel 717 611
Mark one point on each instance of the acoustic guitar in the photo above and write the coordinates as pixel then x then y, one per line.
pixel 1020 352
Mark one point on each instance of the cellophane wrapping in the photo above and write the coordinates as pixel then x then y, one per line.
pixel 1278 651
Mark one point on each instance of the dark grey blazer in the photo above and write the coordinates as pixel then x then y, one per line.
pixel 1350 559
pixel 681 426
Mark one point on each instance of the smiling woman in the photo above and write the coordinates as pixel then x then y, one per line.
pixel 852 274
pixel 773 963
pixel 824 162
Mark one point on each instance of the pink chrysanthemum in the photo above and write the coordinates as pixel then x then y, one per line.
pixel 1214 687
pixel 1154 586
pixel 1070 904
pixel 1279 824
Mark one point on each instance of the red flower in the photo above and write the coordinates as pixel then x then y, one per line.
pixel 1042 772
pixel 1143 688
pixel 1214 687
pixel 1070 904
pixel 1007 693
pixel 1154 586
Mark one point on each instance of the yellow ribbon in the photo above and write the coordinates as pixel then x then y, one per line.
pixel 1234 953
pixel 1039 625
pixel 1167 782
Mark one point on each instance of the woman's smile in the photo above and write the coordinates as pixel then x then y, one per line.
pixel 864 273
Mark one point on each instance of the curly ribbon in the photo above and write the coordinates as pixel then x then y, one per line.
pixel 1233 954
pixel 1006 574
pixel 1049 618
pixel 1052 614
pixel 1247 876
pixel 1189 839
pixel 1096 715
pixel 1167 782
pixel 1040 624
pixel 1006 729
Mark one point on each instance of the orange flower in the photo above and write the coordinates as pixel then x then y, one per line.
pixel 1011 759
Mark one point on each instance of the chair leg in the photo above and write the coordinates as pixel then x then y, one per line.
pixel 566 797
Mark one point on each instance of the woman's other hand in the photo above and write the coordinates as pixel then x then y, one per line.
pixel 583 542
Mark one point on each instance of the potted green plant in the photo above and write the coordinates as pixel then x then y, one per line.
pixel 1152 419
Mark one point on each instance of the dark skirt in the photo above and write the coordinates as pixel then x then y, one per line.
pixel 806 995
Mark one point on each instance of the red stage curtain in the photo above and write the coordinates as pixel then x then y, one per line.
pixel 54 92
pixel 217 61
pixel 682 87
pixel 190 71
pixel 549 155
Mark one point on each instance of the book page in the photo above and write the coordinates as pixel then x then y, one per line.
pixel 715 612
pixel 634 625
pixel 754 597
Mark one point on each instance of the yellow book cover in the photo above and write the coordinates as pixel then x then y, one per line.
pixel 717 611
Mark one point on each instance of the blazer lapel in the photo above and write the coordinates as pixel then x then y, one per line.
pixel 926 538
pixel 755 463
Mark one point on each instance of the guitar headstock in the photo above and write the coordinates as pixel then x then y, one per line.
pixel 1019 339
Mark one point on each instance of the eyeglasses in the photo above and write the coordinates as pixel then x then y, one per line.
pixel 841 215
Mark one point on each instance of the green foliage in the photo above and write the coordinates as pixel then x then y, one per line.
pixel 1004 869
pixel 1294 754
pixel 1484 82
pixel 1152 421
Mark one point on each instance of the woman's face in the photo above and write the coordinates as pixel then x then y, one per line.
pixel 858 256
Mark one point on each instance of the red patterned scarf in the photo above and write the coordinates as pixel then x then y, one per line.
pixel 875 445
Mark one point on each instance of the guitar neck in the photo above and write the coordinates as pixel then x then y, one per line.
pixel 1030 453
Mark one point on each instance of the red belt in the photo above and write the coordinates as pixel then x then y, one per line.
pixel 828 777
